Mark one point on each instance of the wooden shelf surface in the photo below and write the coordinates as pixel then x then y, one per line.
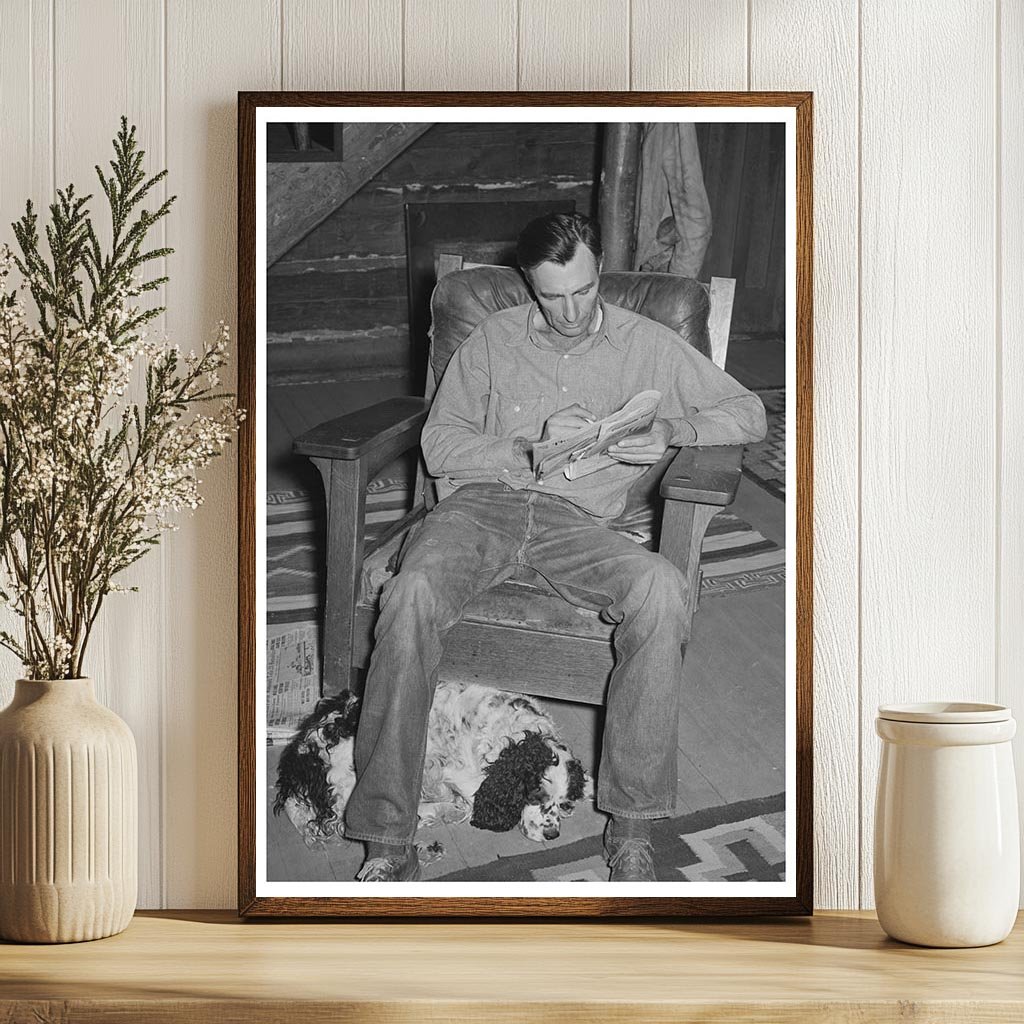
pixel 200 966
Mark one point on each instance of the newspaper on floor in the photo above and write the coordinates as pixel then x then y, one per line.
pixel 293 680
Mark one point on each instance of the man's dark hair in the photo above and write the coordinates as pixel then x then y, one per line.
pixel 555 237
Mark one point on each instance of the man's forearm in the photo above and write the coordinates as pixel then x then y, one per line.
pixel 680 431
pixel 458 452
pixel 735 420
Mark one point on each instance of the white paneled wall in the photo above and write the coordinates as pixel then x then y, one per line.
pixel 1008 342
pixel 831 71
pixel 919 306
pixel 928 447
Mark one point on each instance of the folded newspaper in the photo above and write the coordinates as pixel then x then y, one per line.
pixel 584 451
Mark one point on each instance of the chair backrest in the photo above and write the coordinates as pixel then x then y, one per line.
pixel 463 298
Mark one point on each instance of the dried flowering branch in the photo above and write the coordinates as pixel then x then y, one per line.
pixel 88 478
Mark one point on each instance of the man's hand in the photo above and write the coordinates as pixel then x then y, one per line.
pixel 567 421
pixel 643 449
pixel 522 452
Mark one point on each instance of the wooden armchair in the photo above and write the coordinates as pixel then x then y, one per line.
pixel 557 649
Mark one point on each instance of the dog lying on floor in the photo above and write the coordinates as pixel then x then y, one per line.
pixel 492 756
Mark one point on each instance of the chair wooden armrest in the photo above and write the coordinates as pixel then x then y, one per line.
pixel 348 451
pixel 710 475
pixel 375 434
pixel 698 483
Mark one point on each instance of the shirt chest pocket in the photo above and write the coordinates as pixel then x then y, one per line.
pixel 516 414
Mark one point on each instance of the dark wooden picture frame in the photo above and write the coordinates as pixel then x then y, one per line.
pixel 254 904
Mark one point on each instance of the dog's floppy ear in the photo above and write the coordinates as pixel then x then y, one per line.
pixel 577 780
pixel 301 776
pixel 350 715
pixel 508 781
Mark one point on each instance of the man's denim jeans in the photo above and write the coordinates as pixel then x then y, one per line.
pixel 473 539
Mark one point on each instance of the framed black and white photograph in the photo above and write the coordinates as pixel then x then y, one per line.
pixel 525 504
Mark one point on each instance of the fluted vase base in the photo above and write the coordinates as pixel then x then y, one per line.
pixel 64 913
pixel 68 815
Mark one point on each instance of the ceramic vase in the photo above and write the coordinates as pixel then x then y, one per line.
pixel 68 815
pixel 947 847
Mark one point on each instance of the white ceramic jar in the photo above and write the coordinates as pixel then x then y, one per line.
pixel 947 847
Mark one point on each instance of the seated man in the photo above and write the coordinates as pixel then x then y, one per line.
pixel 535 371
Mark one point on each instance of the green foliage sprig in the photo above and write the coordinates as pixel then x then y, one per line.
pixel 90 478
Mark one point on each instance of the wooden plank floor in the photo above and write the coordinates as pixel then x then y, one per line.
pixel 757 362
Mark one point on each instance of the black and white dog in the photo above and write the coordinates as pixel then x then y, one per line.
pixel 492 756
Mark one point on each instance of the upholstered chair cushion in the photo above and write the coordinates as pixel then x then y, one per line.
pixel 465 297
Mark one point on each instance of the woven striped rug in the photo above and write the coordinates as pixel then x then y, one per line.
pixel 764 462
pixel 735 556
pixel 741 842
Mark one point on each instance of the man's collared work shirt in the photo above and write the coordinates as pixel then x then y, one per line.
pixel 506 380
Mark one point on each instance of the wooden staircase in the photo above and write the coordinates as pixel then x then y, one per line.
pixel 338 304
pixel 302 195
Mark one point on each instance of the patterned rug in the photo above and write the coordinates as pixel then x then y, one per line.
pixel 735 556
pixel 765 461
pixel 295 544
pixel 741 842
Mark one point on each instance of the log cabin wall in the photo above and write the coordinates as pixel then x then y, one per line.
pixel 337 302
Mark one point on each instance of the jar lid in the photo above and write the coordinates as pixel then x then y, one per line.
pixel 945 712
